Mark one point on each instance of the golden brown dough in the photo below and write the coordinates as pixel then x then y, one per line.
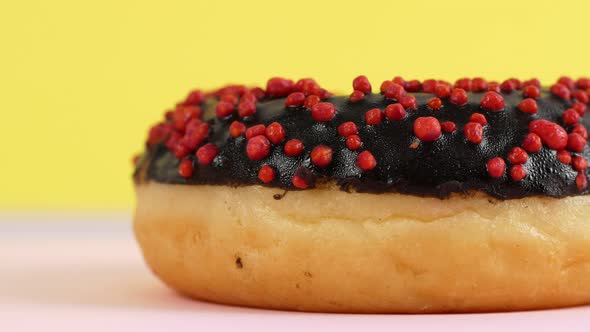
pixel 327 250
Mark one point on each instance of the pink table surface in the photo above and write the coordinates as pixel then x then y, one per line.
pixel 68 273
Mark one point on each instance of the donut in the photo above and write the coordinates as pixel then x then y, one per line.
pixel 424 197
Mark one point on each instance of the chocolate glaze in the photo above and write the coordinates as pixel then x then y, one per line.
pixel 448 165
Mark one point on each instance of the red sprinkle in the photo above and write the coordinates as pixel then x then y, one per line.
pixel 517 172
pixel 507 86
pixel 224 109
pixel 295 99
pixel 230 98
pixel 515 83
pixel 347 128
pixel 560 90
pixel 579 163
pixel 195 97
pixel 581 181
pixel 230 89
pixel 308 86
pixel 158 133
pixel 275 133
pixel 399 80
pixel 528 105
pixel 532 143
pixel 464 83
pixel 442 90
pixel 552 134
pixel 583 83
pixel 479 118
pixel 206 153
pixel 323 112
pixel 183 114
pixel 299 182
pixel 518 156
pixel 428 86
pixel 258 93
pixel 459 97
pixel 181 150
pixel 321 155
pixel 373 116
pixel 195 134
pixel 564 157
pixel 531 91
pixel 427 129
pixel 293 147
pixel 255 131
pixel 385 85
pixel 479 84
pixel 395 111
pixel 324 94
pixel 413 86
pixel 366 161
pixel 580 129
pixel 266 174
pixel 473 132
pixel 409 102
pixel 492 101
pixel 395 91
pixel 448 126
pixel 258 147
pixel 581 96
pixel 310 101
pixel 249 97
pixel 246 108
pixel 494 86
pixel 496 167
pixel 570 117
pixel 356 96
pixel 532 81
pixel 580 108
pixel 173 139
pixel 567 81
pixel 361 83
pixel 236 129
pixel 575 142
pixel 353 142
pixel 169 115
pixel 279 87
pixel 435 103
pixel 185 169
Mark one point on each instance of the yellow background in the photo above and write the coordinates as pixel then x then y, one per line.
pixel 81 81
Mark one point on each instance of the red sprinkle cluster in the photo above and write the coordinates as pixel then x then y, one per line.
pixel 545 132
pixel 185 134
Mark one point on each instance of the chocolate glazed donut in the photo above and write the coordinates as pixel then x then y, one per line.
pixel 509 140
pixel 426 197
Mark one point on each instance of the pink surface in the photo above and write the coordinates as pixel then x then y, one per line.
pixel 65 274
